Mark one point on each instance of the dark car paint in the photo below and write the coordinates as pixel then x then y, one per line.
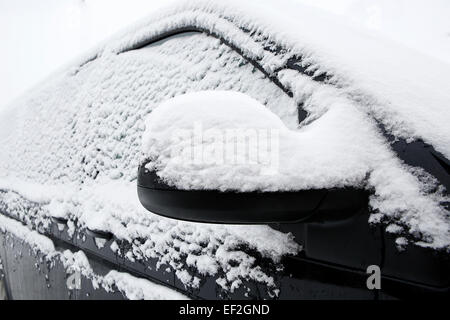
pixel 30 276
pixel 332 264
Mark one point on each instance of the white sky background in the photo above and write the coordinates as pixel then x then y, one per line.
pixel 38 37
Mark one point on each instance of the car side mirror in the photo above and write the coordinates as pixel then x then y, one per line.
pixel 223 157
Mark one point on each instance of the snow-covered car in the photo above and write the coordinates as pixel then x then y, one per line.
pixel 99 197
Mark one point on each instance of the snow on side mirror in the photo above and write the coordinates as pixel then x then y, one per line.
pixel 214 156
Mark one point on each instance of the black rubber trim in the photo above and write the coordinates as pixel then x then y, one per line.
pixel 59 220
pixel 238 50
pixel 445 164
pixel 99 234
pixel 344 275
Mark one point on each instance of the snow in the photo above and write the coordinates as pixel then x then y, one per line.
pixel 72 147
pixel 33 191
pixel 192 138
pixel 188 154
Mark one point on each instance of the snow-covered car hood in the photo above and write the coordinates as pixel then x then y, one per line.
pixel 73 145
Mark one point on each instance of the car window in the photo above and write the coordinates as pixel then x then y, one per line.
pixel 89 123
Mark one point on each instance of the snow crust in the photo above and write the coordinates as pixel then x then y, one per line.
pixel 323 154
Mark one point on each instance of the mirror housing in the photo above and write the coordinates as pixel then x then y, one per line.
pixel 214 206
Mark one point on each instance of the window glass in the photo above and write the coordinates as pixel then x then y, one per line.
pixel 88 123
